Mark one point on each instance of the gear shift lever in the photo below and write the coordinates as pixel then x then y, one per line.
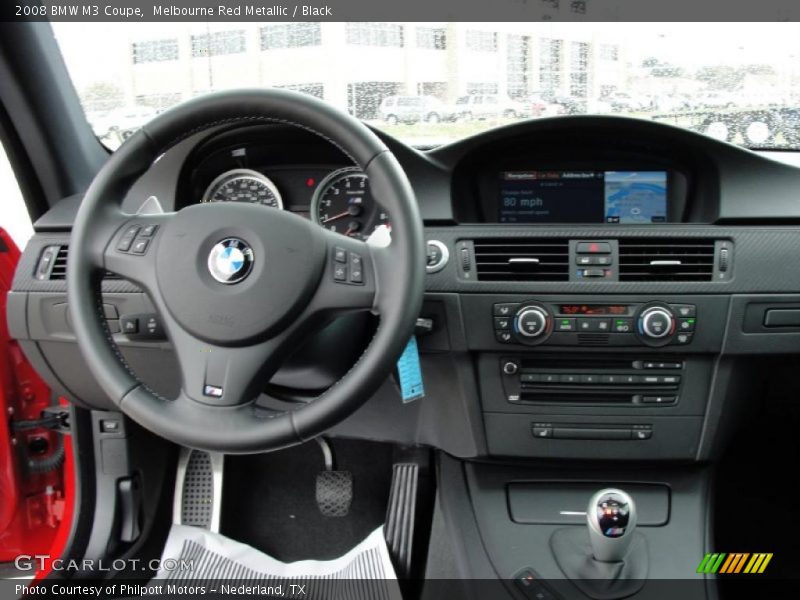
pixel 611 517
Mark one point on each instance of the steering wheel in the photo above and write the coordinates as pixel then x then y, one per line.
pixel 236 285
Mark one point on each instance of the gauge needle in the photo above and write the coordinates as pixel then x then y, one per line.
pixel 334 217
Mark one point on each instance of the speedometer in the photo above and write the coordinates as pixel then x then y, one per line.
pixel 343 203
pixel 244 185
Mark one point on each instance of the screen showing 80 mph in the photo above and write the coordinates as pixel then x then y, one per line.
pixel 635 197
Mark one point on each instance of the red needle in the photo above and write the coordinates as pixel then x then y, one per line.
pixel 350 229
pixel 339 216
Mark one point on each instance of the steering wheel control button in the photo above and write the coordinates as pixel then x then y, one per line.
pixel 356 268
pixel 340 255
pixel 212 391
pixel 140 245
pixel 148 231
pixel 436 256
pixel 127 238
pixel 340 272
pixel 230 261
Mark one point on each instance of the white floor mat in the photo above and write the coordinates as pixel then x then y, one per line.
pixel 195 555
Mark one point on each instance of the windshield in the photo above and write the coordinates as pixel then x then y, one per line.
pixel 433 83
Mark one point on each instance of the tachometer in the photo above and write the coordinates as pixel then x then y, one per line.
pixel 244 185
pixel 343 203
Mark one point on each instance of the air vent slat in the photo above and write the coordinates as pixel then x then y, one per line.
pixel 522 259
pixel 59 270
pixel 665 259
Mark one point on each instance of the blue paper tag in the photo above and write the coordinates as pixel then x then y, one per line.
pixel 410 373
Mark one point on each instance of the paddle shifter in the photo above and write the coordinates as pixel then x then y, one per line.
pixel 611 517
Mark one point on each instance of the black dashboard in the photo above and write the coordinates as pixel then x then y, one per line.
pixel 590 279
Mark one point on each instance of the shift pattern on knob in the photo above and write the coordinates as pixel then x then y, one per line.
pixel 613 513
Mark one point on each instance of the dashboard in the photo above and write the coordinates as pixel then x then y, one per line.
pixel 589 279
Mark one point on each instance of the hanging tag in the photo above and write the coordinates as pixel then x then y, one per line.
pixel 409 373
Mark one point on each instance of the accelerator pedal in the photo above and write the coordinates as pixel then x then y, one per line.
pixel 334 489
pixel 400 516
pixel 198 489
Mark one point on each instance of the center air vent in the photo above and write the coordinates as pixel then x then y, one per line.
pixel 659 259
pixel 522 259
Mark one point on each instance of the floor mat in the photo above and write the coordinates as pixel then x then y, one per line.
pixel 269 500
pixel 193 555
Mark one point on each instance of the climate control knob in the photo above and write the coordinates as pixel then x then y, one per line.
pixel 656 323
pixel 531 322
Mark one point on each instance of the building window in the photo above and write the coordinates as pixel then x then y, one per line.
pixel 550 65
pixel 154 51
pixel 312 89
pixel 486 87
pixel 609 52
pixel 431 38
pixel 481 41
pixel 375 34
pixel 290 35
pixel 518 65
pixel 218 43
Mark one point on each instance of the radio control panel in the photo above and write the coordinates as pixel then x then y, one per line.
pixel 654 324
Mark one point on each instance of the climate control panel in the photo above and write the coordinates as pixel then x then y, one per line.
pixel 654 323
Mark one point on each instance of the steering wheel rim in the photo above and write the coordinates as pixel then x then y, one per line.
pixel 292 280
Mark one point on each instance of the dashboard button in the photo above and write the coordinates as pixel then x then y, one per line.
pixel 656 323
pixel 683 338
pixel 531 322
pixel 542 432
pixel 685 310
pixel 565 324
pixel 502 323
pixel 593 248
pixel 686 324
pixel 584 261
pixel 641 434
pixel 594 272
pixel 505 309
pixel 530 378
pixel 129 325
pixel 591 379
pixel 504 337
pixel 622 326
pixel 670 379
pixel 570 378
pixel 658 399
pixel 594 324
pixel 549 378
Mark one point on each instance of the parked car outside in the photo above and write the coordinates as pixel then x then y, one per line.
pixel 413 109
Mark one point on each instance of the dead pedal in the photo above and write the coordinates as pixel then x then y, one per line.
pixel 401 516
pixel 198 489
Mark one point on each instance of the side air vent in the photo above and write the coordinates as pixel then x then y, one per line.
pixel 522 259
pixel 53 264
pixel 645 259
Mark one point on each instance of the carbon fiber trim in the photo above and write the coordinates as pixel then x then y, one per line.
pixel 762 259
pixel 24 280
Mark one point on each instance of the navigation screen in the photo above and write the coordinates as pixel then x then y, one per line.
pixel 635 197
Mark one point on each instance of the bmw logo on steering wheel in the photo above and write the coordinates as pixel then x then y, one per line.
pixel 230 261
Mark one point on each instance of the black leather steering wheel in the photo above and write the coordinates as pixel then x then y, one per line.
pixel 237 284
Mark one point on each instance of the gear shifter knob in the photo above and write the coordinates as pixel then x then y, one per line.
pixel 611 517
